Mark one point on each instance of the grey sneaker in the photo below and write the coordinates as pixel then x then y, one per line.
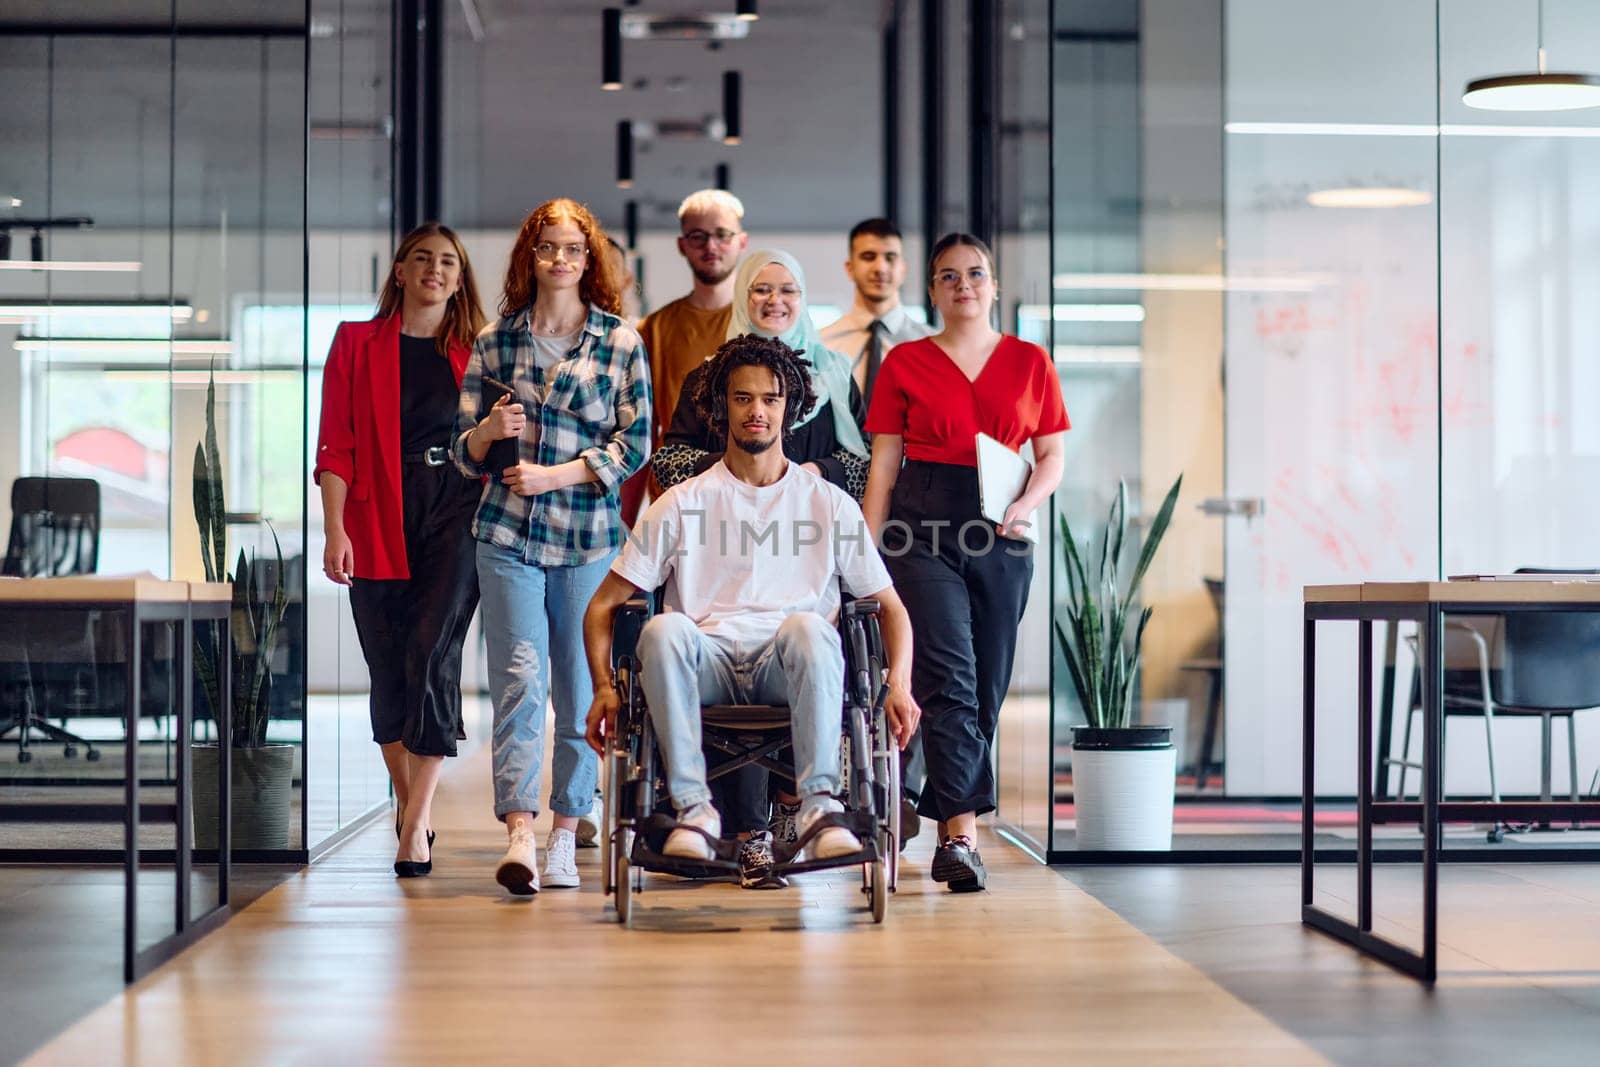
pixel 785 823
pixel 756 862
pixel 560 866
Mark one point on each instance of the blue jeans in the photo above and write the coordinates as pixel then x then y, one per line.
pixel 533 626
pixel 802 666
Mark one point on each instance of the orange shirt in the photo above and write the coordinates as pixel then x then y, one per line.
pixel 679 336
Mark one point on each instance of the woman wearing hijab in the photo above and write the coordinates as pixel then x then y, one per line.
pixel 769 300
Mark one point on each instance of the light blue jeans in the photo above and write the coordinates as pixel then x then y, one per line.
pixel 802 666
pixel 533 626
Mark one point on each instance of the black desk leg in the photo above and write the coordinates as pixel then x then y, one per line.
pixel 130 794
pixel 185 817
pixel 224 720
pixel 1432 780
pixel 1391 640
pixel 1308 759
pixel 1364 778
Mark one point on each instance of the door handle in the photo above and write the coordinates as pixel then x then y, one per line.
pixel 1248 506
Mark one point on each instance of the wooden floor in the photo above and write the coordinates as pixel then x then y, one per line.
pixel 343 964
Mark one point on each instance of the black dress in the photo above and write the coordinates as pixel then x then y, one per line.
pixel 412 629
pixel 689 447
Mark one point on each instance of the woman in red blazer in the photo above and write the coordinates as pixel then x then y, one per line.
pixel 398 515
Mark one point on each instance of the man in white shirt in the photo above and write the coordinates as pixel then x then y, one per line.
pixel 753 553
pixel 876 322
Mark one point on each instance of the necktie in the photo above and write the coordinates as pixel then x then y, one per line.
pixel 875 331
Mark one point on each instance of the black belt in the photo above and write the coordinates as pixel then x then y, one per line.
pixel 437 456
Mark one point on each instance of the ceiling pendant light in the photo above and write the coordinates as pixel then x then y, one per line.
pixel 625 154
pixel 746 10
pixel 611 48
pixel 724 178
pixel 1539 91
pixel 731 118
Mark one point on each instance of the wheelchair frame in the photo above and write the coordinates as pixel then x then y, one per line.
pixel 634 786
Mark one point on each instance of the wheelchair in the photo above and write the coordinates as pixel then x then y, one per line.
pixel 638 816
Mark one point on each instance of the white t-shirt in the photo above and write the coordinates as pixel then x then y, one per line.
pixel 738 558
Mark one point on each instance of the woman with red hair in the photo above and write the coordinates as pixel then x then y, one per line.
pixel 570 383
pixel 396 514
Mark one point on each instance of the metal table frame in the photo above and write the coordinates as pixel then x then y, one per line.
pixel 136 611
pixel 1394 603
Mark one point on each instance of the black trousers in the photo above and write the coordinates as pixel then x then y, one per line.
pixel 965 588
pixel 412 629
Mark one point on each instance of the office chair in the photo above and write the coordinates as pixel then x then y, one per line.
pixel 1212 669
pixel 1525 664
pixel 55 532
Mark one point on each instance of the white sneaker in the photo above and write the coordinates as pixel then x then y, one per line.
pixel 589 827
pixel 685 843
pixel 783 823
pixel 560 865
pixel 519 867
pixel 830 842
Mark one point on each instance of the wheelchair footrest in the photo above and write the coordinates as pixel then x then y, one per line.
pixel 724 859
pixel 787 858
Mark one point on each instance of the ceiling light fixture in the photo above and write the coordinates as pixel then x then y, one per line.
pixel 746 10
pixel 1540 91
pixel 630 224
pixel 731 93
pixel 724 177
pixel 611 48
pixel 100 347
pixel 179 312
pixel 1369 196
pixel 624 154
pixel 126 267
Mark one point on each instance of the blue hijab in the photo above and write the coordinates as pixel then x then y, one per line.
pixel 830 371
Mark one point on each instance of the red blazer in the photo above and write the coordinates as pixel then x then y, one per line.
pixel 359 439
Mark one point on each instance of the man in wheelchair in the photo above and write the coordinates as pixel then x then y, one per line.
pixel 752 554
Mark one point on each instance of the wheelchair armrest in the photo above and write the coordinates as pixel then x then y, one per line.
pixel 858 608
pixel 626 625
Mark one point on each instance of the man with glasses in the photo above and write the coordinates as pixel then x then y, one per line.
pixel 877 322
pixel 680 335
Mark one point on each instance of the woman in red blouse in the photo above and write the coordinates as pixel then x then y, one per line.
pixel 398 515
pixel 964 586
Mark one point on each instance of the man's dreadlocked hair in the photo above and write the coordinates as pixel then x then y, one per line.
pixel 752 350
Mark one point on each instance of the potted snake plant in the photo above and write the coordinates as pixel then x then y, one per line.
pixel 262 774
pixel 1123 773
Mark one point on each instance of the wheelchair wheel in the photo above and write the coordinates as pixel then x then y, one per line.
pixel 624 887
pixel 878 889
pixel 608 819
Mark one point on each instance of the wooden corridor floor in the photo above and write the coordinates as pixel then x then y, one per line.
pixel 342 964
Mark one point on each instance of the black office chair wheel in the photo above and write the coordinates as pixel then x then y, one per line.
pixel 69 751
pixel 24 756
pixel 93 755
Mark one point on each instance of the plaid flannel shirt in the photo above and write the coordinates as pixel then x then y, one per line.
pixel 596 407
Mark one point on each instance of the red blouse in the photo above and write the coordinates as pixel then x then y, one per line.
pixel 922 395
pixel 359 439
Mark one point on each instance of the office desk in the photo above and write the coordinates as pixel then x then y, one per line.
pixel 135 602
pixel 1426 604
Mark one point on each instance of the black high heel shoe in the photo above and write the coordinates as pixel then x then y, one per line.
pixel 416 868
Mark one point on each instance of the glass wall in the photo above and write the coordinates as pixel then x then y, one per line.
pixel 1352 316
pixel 187 209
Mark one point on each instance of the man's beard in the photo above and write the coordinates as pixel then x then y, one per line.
pixel 754 446
pixel 705 277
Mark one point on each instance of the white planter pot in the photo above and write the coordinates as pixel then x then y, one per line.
pixel 1122 789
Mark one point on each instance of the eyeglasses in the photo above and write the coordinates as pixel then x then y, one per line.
pixel 763 291
pixel 700 238
pixel 545 252
pixel 952 278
